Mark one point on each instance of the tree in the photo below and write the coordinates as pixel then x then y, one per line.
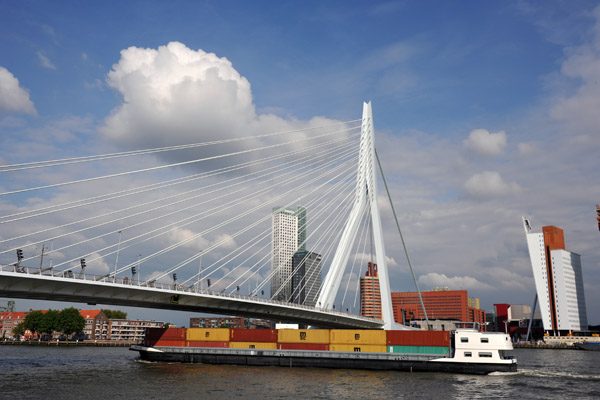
pixel 115 314
pixel 50 322
pixel 33 321
pixel 19 329
pixel 70 321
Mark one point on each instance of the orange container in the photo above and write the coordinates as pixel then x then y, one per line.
pixel 252 345
pixel 359 348
pixel 195 343
pixel 303 336
pixel 357 336
pixel 303 346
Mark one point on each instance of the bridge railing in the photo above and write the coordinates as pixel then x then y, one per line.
pixel 126 281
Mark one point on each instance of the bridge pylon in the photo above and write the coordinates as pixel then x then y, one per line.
pixel 365 199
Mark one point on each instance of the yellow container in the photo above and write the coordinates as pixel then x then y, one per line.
pixel 320 336
pixel 355 336
pixel 252 345
pixel 208 334
pixel 359 348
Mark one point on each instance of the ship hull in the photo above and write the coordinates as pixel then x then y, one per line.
pixel 319 359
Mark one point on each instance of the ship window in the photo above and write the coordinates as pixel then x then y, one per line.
pixel 464 340
pixel 468 354
pixel 485 354
pixel 485 340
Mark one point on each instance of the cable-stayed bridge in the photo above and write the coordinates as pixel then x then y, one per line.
pixel 189 227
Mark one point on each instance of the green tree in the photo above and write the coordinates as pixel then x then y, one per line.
pixel 70 321
pixel 50 322
pixel 115 314
pixel 33 321
pixel 19 329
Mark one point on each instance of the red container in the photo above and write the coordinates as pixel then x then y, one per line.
pixel 195 343
pixel 303 346
pixel 154 334
pixel 418 338
pixel 170 343
pixel 254 335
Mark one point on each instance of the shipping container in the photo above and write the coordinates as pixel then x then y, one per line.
pixel 155 334
pixel 303 346
pixel 252 345
pixel 356 336
pixel 419 349
pixel 169 343
pixel 254 335
pixel 362 348
pixel 208 334
pixel 194 343
pixel 303 336
pixel 418 338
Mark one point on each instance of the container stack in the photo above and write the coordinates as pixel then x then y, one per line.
pixel 170 337
pixel 353 340
pixel 208 337
pixel 418 342
pixel 372 341
pixel 253 339
pixel 303 339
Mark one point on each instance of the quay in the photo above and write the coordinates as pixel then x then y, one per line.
pixel 88 343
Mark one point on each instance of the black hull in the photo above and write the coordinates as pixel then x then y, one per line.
pixel 587 346
pixel 317 359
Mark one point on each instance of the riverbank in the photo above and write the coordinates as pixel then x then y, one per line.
pixel 547 346
pixel 89 343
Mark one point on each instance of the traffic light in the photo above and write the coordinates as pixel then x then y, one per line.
pixel 82 262
pixel 20 254
pixel 175 277
pixel 133 270
pixel 238 288
pixel 208 282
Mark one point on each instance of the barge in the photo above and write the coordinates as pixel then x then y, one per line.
pixel 461 351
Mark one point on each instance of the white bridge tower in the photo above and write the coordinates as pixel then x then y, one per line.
pixel 366 199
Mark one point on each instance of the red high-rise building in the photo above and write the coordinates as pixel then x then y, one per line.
pixel 370 295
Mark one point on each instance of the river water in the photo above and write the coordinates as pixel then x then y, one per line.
pixel 32 372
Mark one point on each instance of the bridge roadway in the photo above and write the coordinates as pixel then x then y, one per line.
pixel 124 292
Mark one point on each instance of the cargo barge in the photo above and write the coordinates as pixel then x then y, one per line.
pixel 461 351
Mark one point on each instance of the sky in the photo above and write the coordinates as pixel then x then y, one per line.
pixel 484 111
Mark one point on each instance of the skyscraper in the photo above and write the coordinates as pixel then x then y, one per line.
pixel 288 234
pixel 370 294
pixel 558 280
pixel 306 279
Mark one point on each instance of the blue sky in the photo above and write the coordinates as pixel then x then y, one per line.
pixel 522 74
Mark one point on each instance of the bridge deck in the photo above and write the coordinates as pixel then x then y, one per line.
pixel 87 289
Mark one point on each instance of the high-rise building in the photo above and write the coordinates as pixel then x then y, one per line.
pixel 288 235
pixel 370 294
pixel 306 278
pixel 558 280
pixel 439 303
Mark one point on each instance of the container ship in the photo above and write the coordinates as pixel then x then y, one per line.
pixel 465 350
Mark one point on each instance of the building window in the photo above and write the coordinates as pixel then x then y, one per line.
pixel 468 354
pixel 485 354
pixel 485 340
pixel 464 340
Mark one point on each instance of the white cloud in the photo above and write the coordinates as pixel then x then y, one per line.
pixel 485 143
pixel 45 61
pixel 173 95
pixel 433 280
pixel 489 184
pixel 13 98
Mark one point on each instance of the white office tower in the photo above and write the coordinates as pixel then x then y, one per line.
pixel 558 281
pixel 287 236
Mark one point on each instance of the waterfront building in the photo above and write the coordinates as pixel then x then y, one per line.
pixel 370 294
pixel 514 320
pixel 130 330
pixel 306 278
pixel 558 280
pixel 441 303
pixel 8 320
pixel 231 322
pixel 96 324
pixel 288 235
